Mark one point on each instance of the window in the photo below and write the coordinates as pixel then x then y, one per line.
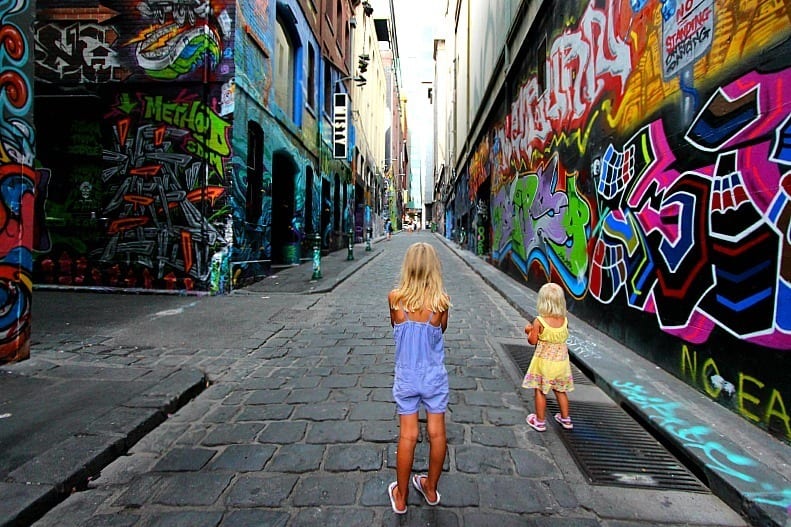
pixel 338 18
pixel 255 173
pixel 311 76
pixel 284 70
pixel 327 89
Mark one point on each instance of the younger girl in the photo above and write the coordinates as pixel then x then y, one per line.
pixel 549 368
pixel 419 316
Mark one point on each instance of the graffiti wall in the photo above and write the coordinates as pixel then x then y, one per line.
pixel 643 162
pixel 20 183
pixel 138 157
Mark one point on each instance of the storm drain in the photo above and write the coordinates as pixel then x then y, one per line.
pixel 610 447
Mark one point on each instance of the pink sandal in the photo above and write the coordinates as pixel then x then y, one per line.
pixel 537 425
pixel 565 423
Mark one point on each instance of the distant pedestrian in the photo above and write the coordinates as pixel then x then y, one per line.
pixel 419 315
pixel 550 368
pixel 389 229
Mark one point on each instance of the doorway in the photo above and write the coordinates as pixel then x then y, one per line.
pixel 285 246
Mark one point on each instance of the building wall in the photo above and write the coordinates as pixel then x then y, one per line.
pixel 20 184
pixel 134 103
pixel 642 161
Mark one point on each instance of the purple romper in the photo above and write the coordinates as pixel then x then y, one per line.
pixel 420 373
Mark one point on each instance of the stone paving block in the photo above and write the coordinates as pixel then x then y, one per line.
pixel 139 491
pixel 243 458
pixel 455 433
pixel 353 457
pixel 260 491
pixel 227 434
pixel 457 382
pixel 366 411
pixel 269 412
pixel 191 488
pixel 222 414
pixel 562 492
pixel 467 414
pixel 377 381
pixel 283 432
pixel 308 396
pixel 306 383
pixel 339 381
pixel 484 399
pixel 532 465
pixel 492 436
pixel 330 432
pixel 483 460
pixel 459 490
pixel 578 522
pixel 506 416
pixel 383 395
pixel 322 412
pixel 334 516
pixel 184 460
pixel 250 518
pixel 497 385
pixel 297 458
pixel 514 495
pixel 489 518
pixel 160 439
pixel 185 518
pixel 267 396
pixel 321 491
pixel 380 432
pixel 349 369
pixel 352 395
pixel 112 520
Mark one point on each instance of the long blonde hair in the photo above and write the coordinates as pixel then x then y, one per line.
pixel 420 284
pixel 551 301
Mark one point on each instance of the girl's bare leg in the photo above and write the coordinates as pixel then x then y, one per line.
pixel 563 402
pixel 405 456
pixel 438 445
pixel 541 404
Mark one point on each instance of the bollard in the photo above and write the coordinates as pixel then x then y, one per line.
pixel 350 256
pixel 316 238
pixel 369 235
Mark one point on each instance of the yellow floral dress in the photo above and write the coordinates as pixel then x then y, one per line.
pixel 550 368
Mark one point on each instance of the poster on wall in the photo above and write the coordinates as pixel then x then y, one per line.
pixel 686 35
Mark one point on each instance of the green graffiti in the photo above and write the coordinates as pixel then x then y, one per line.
pixel 524 194
pixel 207 127
pixel 574 254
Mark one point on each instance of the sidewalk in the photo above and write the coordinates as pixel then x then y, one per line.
pixel 744 466
pixel 335 268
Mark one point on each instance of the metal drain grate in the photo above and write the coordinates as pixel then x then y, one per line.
pixel 522 354
pixel 613 449
pixel 609 446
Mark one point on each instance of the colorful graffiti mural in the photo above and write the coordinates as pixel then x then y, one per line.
pixel 648 171
pixel 138 176
pixel 19 182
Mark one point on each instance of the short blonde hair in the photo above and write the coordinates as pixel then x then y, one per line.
pixel 420 284
pixel 551 301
